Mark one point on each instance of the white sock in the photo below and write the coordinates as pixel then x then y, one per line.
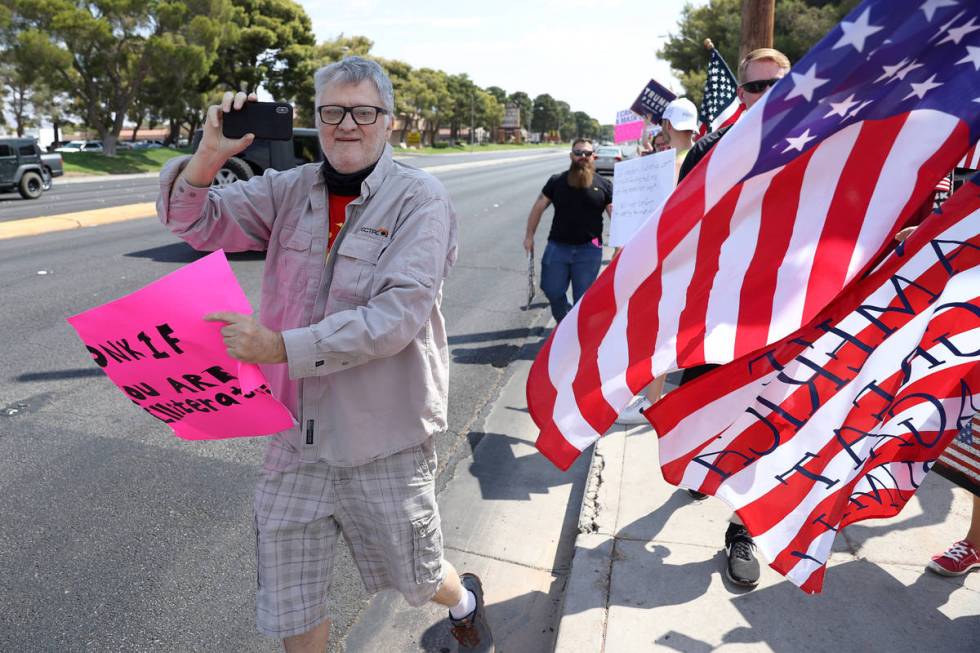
pixel 465 606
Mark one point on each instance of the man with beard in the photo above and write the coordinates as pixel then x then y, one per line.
pixel 574 251
pixel 353 341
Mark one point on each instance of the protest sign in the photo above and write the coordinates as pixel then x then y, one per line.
pixel 652 101
pixel 629 127
pixel 640 185
pixel 155 346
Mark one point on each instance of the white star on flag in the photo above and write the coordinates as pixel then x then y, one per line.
pixel 858 109
pixel 919 90
pixel 912 65
pixel 942 30
pixel 855 33
pixel 799 142
pixel 804 85
pixel 841 108
pixel 956 34
pixel 930 7
pixel 890 71
pixel 973 56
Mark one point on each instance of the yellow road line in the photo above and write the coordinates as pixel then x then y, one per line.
pixel 77 220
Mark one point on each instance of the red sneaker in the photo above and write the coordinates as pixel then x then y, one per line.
pixel 957 560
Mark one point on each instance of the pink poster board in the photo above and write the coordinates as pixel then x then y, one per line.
pixel 628 131
pixel 155 346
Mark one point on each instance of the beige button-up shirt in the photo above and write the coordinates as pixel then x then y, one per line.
pixel 368 365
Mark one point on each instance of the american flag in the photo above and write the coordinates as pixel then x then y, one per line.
pixel 719 104
pixel 971 160
pixel 840 421
pixel 801 193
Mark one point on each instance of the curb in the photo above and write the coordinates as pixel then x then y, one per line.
pixel 585 605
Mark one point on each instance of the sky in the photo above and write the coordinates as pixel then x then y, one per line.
pixel 597 56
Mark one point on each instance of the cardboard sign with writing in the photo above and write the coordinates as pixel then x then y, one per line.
pixel 640 185
pixel 155 346
pixel 653 99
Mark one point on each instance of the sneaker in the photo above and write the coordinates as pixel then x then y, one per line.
pixel 473 632
pixel 743 566
pixel 697 496
pixel 633 414
pixel 957 560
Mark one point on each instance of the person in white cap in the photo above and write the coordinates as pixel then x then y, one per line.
pixel 679 122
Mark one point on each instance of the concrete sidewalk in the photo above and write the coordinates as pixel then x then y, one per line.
pixel 649 573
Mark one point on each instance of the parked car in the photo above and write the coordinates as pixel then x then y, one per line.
pixel 264 154
pixel 21 168
pixel 606 158
pixel 54 165
pixel 81 146
pixel 147 145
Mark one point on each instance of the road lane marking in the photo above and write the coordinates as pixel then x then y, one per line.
pixel 97 217
pixel 77 220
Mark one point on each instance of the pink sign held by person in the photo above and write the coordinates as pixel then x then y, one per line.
pixel 155 345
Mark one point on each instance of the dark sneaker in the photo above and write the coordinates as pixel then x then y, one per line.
pixel 473 632
pixel 697 496
pixel 743 566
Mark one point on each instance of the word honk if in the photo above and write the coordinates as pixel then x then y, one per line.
pixel 156 347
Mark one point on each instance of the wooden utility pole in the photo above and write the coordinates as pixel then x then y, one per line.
pixel 758 21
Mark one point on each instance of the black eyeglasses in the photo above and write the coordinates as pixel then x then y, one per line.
pixel 583 152
pixel 759 85
pixel 334 114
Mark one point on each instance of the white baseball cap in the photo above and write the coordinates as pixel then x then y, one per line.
pixel 682 114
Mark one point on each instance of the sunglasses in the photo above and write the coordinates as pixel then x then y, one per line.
pixel 759 85
pixel 583 152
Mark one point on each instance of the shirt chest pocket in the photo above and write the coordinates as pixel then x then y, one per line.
pixel 293 258
pixel 354 269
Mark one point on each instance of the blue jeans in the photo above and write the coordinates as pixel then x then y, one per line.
pixel 563 264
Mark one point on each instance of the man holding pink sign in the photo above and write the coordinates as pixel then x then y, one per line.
pixel 352 339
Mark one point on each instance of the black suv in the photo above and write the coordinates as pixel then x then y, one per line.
pixel 21 168
pixel 264 154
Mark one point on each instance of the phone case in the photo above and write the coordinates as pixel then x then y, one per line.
pixel 269 120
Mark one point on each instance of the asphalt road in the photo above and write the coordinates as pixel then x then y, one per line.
pixel 117 536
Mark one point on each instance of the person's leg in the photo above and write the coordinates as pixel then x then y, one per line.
pixel 389 515
pixel 973 534
pixel 555 276
pixel 586 261
pixel 313 641
pixel 450 593
pixel 296 535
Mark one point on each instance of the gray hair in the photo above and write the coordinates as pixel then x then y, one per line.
pixel 354 70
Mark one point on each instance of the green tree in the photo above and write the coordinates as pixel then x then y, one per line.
pixel 498 93
pixel 267 39
pixel 799 25
pixel 546 117
pixel 428 102
pixel 583 124
pixel 490 112
pixel 101 53
pixel 463 92
pixel 524 102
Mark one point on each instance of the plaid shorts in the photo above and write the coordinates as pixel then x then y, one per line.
pixel 385 509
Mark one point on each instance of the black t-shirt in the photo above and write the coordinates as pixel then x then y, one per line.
pixel 700 150
pixel 578 211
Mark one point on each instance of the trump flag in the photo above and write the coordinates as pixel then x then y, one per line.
pixel 840 421
pixel 797 199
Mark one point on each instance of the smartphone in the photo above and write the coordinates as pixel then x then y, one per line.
pixel 270 120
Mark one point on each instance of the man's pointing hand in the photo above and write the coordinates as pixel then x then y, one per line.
pixel 247 340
